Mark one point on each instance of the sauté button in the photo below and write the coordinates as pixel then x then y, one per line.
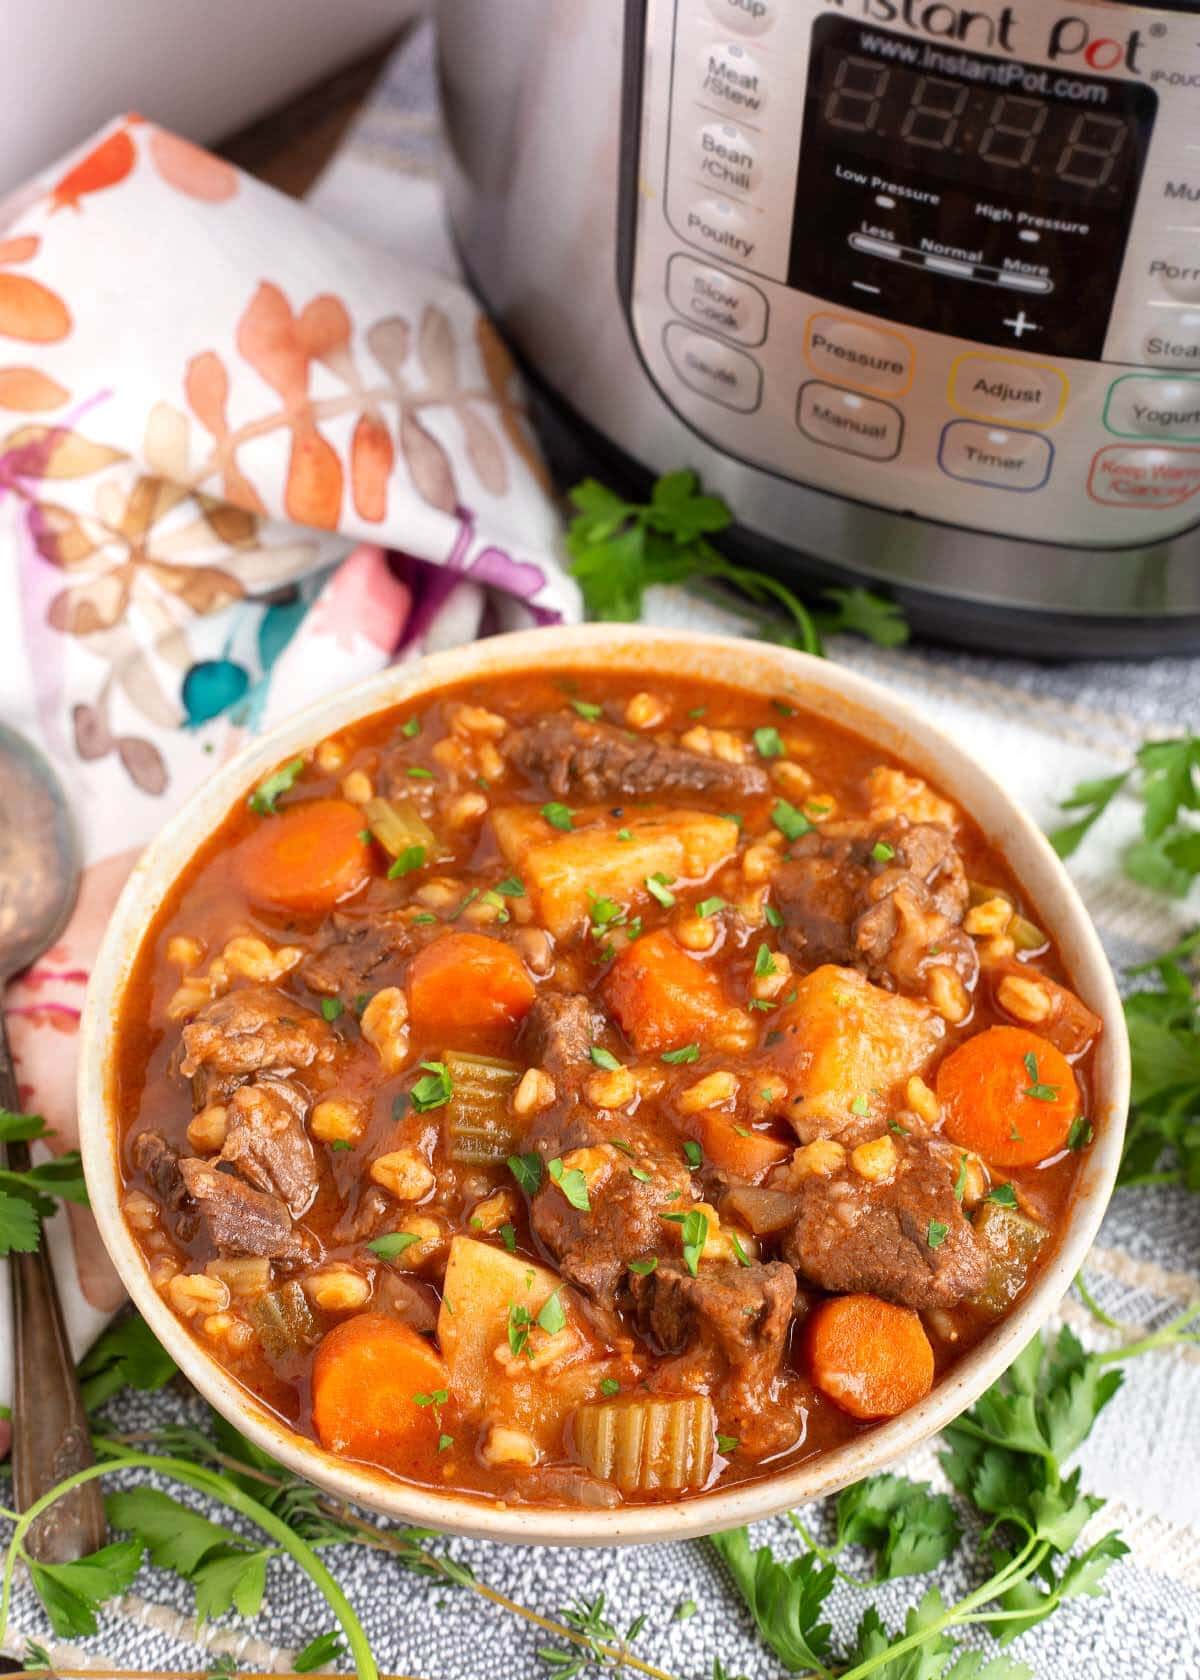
pixel 1175 341
pixel 723 227
pixel 854 354
pixel 727 157
pixel 1144 475
pixel 746 17
pixel 844 420
pixel 1001 459
pixel 713 369
pixel 732 78
pixel 715 300
pixel 1007 388
pixel 1156 406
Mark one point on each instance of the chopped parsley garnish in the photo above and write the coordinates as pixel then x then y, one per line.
pixel 571 1182
pixel 587 709
pixel 434 1090
pixel 642 1268
pixel 694 1232
pixel 331 1008
pixel 445 1441
pixel 727 1443
pixel 419 773
pixel 882 852
pixel 937 1233
pixel 1080 1134
pixel 604 1058
pixel 764 962
pixel 519 1323
pixel 685 1053
pixel 640 1173
pixel 768 742
pixel 410 728
pixel 693 1154
pixel 960 1183
pixel 262 800
pixel 658 886
pixel 511 887
pixel 620 1143
pixel 393 1244
pixel 552 1318
pixel 439 1397
pixel 365 835
pixel 412 857
pixel 774 918
pixel 1036 1089
pixel 790 822
pixel 492 898
pixel 709 906
pixel 860 1106
pixel 739 1253
pixel 508 1237
pixel 527 1170
pixel 341 1144
pixel 624 834
pixel 605 913
pixel 1003 1195
pixel 610 1385
pixel 558 816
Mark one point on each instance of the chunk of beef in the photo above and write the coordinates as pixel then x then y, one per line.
pixel 158 1160
pixel 852 1235
pixel 558 1034
pixel 361 1222
pixel 352 948
pixel 410 1299
pixel 267 1143
pixel 890 902
pixel 595 761
pixel 242 1220
pixel 252 1030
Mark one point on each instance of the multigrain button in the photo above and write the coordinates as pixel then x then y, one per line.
pixel 731 78
pixel 714 369
pixel 854 354
pixel 727 157
pixel 1155 406
pixel 715 300
pixel 1143 475
pixel 1007 388
pixel 1174 342
pixel 1001 459
pixel 845 420
pixel 720 226
pixel 746 17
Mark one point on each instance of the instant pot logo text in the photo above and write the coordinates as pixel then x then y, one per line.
pixel 1070 40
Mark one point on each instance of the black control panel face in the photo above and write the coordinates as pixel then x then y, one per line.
pixel 965 194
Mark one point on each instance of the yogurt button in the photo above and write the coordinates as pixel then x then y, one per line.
pixel 1175 341
pixel 746 17
pixel 731 78
pixel 1143 405
pixel 716 300
pixel 727 158
pixel 715 370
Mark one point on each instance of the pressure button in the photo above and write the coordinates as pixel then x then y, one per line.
pixel 852 353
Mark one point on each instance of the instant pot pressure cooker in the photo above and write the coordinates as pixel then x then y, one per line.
pixel 914 285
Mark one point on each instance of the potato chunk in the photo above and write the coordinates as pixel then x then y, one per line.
pixel 846 1047
pixel 563 871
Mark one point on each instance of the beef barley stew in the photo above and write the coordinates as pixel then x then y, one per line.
pixel 575 1094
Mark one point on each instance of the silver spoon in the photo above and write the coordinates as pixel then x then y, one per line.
pixel 39 879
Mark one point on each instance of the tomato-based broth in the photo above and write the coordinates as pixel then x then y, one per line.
pixel 585 1091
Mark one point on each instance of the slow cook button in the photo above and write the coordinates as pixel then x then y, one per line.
pixel 1157 406
pixel 1176 341
pixel 844 420
pixel 722 227
pixel 733 308
pixel 732 78
pixel 746 17
pixel 714 369
pixel 1006 388
pixel 854 354
pixel 1143 475
pixel 727 158
pixel 1001 459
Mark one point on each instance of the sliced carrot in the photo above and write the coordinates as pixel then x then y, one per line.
pixel 871 1358
pixel 744 1153
pixel 367 1376
pixel 664 999
pixel 309 857
pixel 466 980
pixel 1009 1095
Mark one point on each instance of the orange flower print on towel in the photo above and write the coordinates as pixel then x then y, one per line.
pixel 190 169
pixel 104 166
pixel 29 310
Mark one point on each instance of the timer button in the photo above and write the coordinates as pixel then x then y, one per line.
pixel 1006 388
pixel 1143 475
pixel 727 158
pixel 1154 406
pixel 1003 460
pixel 713 369
pixel 844 420
pixel 854 354
pixel 732 78
pixel 1176 341
pixel 717 301
pixel 746 17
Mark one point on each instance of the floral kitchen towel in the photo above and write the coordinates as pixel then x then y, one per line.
pixel 244 458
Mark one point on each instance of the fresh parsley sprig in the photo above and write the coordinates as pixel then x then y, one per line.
pixel 1165 777
pixel 28 1197
pixel 1164 1040
pixel 619 549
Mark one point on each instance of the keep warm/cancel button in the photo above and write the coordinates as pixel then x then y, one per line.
pixel 1144 475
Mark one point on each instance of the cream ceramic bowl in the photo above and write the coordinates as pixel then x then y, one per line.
pixel 823 688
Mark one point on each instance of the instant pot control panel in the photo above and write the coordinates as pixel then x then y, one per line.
pixel 938 258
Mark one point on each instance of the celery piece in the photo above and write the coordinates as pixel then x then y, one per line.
pixel 398 826
pixel 284 1321
pixel 643 1445
pixel 479 1127
pixel 1013 1241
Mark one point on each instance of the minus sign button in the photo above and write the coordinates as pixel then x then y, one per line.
pixel 874 247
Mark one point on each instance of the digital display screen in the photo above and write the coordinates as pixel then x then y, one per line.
pixel 965 193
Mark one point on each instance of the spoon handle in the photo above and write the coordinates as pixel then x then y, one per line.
pixel 51 1436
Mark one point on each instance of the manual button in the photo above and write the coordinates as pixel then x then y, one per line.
pixel 1006 388
pixel 844 420
pixel 1002 460
pixel 716 300
pixel 713 369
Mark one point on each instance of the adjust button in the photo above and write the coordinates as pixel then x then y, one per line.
pixel 732 79
pixel 1143 475
pixel 746 17
pixel 1002 460
pixel 1176 342
pixel 844 420
pixel 715 300
pixel 1006 388
pixel 1155 406
pixel 854 354
pixel 713 369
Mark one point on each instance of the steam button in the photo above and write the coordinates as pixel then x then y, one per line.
pixel 1176 342
pixel 746 17
pixel 713 369
pixel 717 301
pixel 732 79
